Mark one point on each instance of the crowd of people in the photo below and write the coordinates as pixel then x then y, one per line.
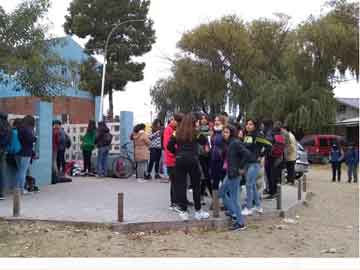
pixel 214 158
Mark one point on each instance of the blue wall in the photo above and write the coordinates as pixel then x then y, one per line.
pixel 41 168
pixel 126 127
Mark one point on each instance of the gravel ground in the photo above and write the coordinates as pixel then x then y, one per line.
pixel 326 226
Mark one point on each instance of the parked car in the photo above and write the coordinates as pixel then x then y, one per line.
pixel 318 146
pixel 302 162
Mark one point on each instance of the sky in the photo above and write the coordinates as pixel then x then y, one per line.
pixel 174 17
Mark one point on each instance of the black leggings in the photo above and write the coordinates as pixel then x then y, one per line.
pixel 205 182
pixel 336 170
pixel 155 156
pixel 87 160
pixel 60 161
pixel 171 173
pixel 184 166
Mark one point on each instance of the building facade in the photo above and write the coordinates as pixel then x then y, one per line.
pixel 347 119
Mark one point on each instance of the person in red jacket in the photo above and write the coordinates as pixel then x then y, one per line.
pixel 55 143
pixel 169 158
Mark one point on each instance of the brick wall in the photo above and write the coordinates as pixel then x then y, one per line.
pixel 80 110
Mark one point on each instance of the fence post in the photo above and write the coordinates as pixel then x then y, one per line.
pixel 16 202
pixel 304 183
pixel 279 197
pixel 120 207
pixel 216 204
pixel 299 189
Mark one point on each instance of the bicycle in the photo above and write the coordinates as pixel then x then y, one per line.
pixel 124 166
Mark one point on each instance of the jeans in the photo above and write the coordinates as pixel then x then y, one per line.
pixel 206 182
pixel 353 171
pixel 336 170
pixel 155 156
pixel 23 164
pixel 2 168
pixel 251 190
pixel 187 165
pixel 230 194
pixel 102 158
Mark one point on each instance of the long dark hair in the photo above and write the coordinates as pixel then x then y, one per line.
pixel 186 131
pixel 28 121
pixel 155 125
pixel 91 126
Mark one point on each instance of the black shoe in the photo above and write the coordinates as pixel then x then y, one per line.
pixel 238 227
pixel 147 177
pixel 334 180
pixel 190 203
pixel 157 176
pixel 349 181
pixel 270 197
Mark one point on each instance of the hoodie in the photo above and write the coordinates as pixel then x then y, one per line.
pixel 169 157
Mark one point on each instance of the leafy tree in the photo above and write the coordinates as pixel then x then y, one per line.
pixel 26 58
pixel 94 19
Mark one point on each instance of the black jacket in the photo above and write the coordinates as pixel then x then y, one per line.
pixel 238 156
pixel 257 144
pixel 103 137
pixel 27 140
pixel 189 149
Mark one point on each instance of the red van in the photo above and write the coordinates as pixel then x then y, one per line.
pixel 318 146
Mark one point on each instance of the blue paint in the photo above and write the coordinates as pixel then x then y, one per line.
pixel 126 128
pixel 97 108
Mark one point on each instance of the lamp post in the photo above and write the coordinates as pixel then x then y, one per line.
pixel 105 62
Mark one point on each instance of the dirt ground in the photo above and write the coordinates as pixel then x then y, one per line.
pixel 327 226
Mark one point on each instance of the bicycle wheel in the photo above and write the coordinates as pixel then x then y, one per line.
pixel 122 167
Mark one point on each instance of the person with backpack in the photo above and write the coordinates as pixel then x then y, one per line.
pixel 87 146
pixel 64 143
pixel 5 137
pixel 257 146
pixel 238 157
pixel 336 158
pixel 184 144
pixel 276 160
pixel 14 146
pixel 352 162
pixel 103 142
pixel 27 140
pixel 155 150
pixel 141 151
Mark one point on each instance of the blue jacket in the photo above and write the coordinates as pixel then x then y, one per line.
pixel 15 145
pixel 217 146
pixel 336 155
pixel 352 157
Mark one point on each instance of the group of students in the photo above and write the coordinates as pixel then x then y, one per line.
pixel 17 140
pixel 217 157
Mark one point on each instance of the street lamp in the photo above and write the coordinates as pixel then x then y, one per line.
pixel 105 62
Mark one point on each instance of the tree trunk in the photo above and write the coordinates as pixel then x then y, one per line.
pixel 111 105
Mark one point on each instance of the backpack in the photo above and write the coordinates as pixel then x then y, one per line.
pixel 278 147
pixel 15 146
pixel 107 138
pixel 67 141
pixel 5 134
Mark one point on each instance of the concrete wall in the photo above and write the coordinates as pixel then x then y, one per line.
pixel 126 127
pixel 41 168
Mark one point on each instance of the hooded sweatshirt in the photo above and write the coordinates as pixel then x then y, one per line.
pixel 169 157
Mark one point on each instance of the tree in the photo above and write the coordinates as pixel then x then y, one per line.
pixel 95 19
pixel 26 58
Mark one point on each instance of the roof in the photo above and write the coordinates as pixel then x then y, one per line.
pixel 348 122
pixel 352 102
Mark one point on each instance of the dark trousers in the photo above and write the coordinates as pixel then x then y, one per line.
pixel 60 160
pixel 217 173
pixel 155 156
pixel 275 174
pixel 171 173
pixel 290 167
pixel 87 160
pixel 2 168
pixel 336 170
pixel 353 171
pixel 205 182
pixel 184 166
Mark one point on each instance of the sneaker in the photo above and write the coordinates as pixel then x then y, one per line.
pixel 246 212
pixel 142 180
pixel 25 192
pixel 184 215
pixel 233 217
pixel 238 227
pixel 270 197
pixel 199 215
pixel 177 209
pixel 258 210
pixel 158 176
pixel 148 177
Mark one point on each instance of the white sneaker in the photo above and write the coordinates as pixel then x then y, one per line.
pixel 246 212
pixel 184 215
pixel 199 215
pixel 142 180
pixel 259 210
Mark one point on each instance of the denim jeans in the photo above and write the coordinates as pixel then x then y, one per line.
pixel 103 153
pixel 2 173
pixel 23 164
pixel 230 194
pixel 251 190
pixel 353 171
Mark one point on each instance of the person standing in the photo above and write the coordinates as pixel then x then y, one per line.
pixel 257 145
pixel 27 140
pixel 169 157
pixel 185 146
pixel 336 157
pixel 55 148
pixel 141 151
pixel 352 162
pixel 204 156
pixel 238 156
pixel 290 157
pixel 5 137
pixel 155 150
pixel 87 146
pixel 103 142
pixel 60 156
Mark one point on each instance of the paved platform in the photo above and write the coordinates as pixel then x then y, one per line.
pixel 95 200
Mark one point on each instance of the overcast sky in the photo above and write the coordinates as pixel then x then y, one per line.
pixel 174 17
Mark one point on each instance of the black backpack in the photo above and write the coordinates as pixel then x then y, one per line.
pixel 5 134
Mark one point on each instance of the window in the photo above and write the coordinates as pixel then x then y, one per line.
pixel 310 142
pixel 74 130
pixel 116 128
pixel 342 108
pixel 74 147
pixel 117 138
pixel 323 142
pixel 116 148
pixel 74 139
pixel 82 130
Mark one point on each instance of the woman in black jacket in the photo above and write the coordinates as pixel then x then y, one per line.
pixel 185 145
pixel 27 140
